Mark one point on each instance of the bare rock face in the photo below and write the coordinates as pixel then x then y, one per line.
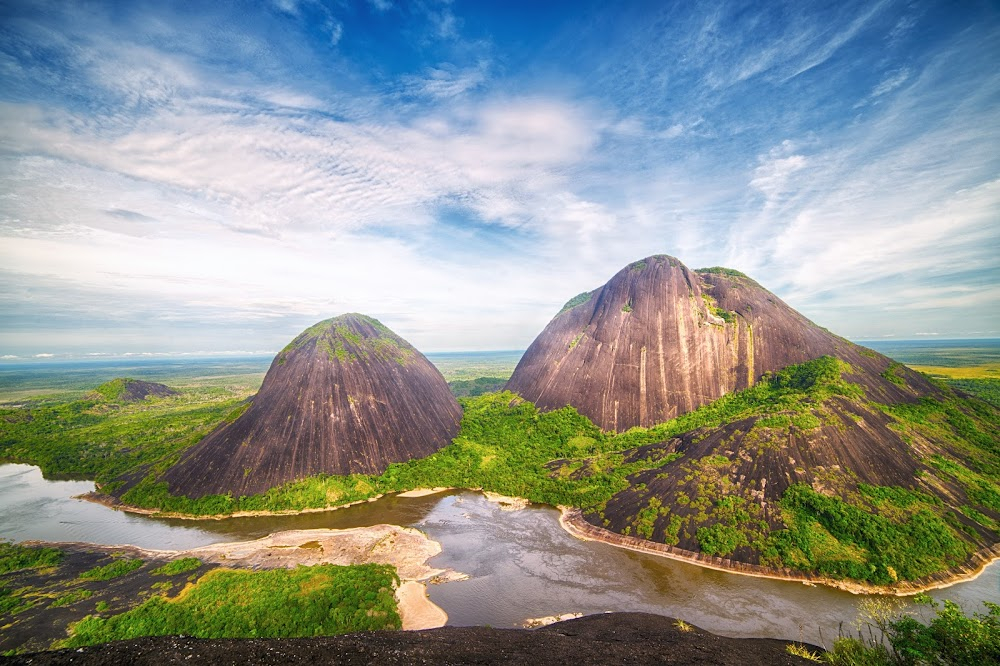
pixel 659 340
pixel 346 396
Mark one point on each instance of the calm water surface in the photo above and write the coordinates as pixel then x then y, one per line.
pixel 521 563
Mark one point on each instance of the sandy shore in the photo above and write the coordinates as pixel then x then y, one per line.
pixel 572 521
pixel 506 502
pixel 423 492
pixel 416 609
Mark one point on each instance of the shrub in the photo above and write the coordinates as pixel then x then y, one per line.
pixel 176 567
pixel 119 567
pixel 14 557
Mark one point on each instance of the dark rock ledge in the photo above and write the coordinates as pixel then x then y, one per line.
pixel 611 638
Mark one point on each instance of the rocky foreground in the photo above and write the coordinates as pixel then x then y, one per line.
pixel 612 638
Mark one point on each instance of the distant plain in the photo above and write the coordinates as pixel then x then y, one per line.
pixel 66 379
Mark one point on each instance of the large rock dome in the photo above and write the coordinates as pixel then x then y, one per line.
pixel 346 396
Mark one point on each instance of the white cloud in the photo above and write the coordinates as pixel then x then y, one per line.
pixel 892 81
pixel 336 30
pixel 772 176
pixel 826 50
pixel 446 81
pixel 462 201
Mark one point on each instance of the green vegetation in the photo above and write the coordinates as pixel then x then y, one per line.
pixel 56 381
pixel 13 602
pixel 91 439
pixel 884 550
pixel 113 390
pixel 892 374
pixel 508 446
pixel 953 354
pixel 119 567
pixel 798 650
pixel 579 299
pixel 71 598
pixel 721 313
pixel 719 270
pixel 458 366
pixel 177 567
pixel 339 342
pixel 950 638
pixel 720 539
pixel 471 388
pixel 984 389
pixel 14 557
pixel 308 601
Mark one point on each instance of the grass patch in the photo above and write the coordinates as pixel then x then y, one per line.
pixel 12 602
pixel 71 598
pixel 14 557
pixel 90 439
pixel 980 371
pixel 119 567
pixel 177 567
pixel 797 650
pixel 579 299
pixel 890 638
pixel 719 270
pixel 892 374
pixel 322 600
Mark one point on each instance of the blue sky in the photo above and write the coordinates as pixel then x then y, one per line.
pixel 178 181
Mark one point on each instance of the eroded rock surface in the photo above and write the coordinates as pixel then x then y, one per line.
pixel 660 339
pixel 347 396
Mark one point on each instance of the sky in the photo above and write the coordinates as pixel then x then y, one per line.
pixel 206 177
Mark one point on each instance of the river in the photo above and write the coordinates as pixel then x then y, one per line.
pixel 522 564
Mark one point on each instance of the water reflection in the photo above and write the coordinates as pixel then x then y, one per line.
pixel 522 564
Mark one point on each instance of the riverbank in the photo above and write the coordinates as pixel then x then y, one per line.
pixel 506 502
pixel 406 549
pixel 571 520
pixel 416 610
pixel 97 497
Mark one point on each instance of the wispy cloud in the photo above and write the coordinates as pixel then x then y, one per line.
pixel 170 170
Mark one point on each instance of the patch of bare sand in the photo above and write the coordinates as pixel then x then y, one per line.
pixel 506 502
pixel 405 548
pixel 416 609
pixel 423 492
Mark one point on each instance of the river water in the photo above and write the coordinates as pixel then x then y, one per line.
pixel 522 564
